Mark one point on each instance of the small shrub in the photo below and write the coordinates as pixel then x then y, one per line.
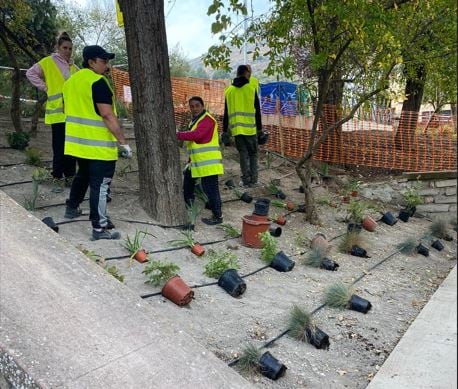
pixel 356 211
pixel 337 295
pixel 18 140
pixel 33 156
pixel 299 321
pixel 41 175
pixel 219 262
pixel 352 186
pixel 193 211
pixel 269 247
pixel 113 270
pixel 187 241
pixel 249 360
pixel 438 228
pixel 408 246
pixel 314 258
pixel 349 240
pixel 158 272
pixel 412 198
pixel 278 204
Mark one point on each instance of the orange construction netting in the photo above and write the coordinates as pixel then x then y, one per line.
pixel 380 140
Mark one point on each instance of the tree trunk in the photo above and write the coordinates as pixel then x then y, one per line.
pixel 36 114
pixel 453 108
pixel 306 178
pixel 157 148
pixel 410 108
pixel 15 110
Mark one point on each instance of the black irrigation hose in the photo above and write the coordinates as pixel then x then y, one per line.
pixel 54 205
pixel 150 224
pixel 19 163
pixel 16 183
pixel 73 220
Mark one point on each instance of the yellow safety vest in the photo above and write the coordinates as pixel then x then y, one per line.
pixel 206 158
pixel 86 135
pixel 254 82
pixel 54 83
pixel 241 110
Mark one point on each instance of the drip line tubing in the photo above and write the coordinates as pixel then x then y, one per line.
pixel 55 205
pixel 19 163
pixel 16 183
pixel 151 224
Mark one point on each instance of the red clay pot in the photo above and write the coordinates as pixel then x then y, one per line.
pixel 290 206
pixel 198 249
pixel 346 199
pixel 141 256
pixel 320 242
pixel 251 228
pixel 281 220
pixel 354 193
pixel 259 217
pixel 369 224
pixel 177 291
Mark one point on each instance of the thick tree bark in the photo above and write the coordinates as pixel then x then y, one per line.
pixel 15 110
pixel 410 108
pixel 157 148
pixel 36 115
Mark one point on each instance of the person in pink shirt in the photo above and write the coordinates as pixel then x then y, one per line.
pixel 49 75
pixel 205 159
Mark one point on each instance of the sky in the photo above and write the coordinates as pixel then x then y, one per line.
pixel 189 26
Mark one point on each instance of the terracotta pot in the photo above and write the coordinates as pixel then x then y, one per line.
pixel 177 291
pixel 369 224
pixel 281 220
pixel 320 242
pixel 141 256
pixel 259 217
pixel 354 193
pixel 198 249
pixel 290 206
pixel 345 199
pixel 251 228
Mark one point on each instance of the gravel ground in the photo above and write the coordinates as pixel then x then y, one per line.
pixel 397 289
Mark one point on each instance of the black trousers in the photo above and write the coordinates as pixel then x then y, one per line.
pixel 210 188
pixel 96 175
pixel 62 165
pixel 247 146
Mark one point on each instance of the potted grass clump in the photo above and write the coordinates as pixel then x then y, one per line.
pixel 408 246
pixel 193 210
pixel 18 140
pixel 351 244
pixel 302 327
pixel 439 229
pixel 355 211
pixel 277 260
pixel 411 199
pixel 320 242
pixel 317 258
pixel 244 196
pixel 33 157
pixel 165 275
pixel 341 296
pixel 252 360
pixel 188 241
pixel 223 266
pixel 274 190
pixel 134 246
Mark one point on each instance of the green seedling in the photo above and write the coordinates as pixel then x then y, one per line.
pixel 314 257
pixel 298 322
pixel 412 198
pixel 33 157
pixel 356 210
pixel 229 230
pixel 408 246
pixel 158 273
pixel 187 241
pixel 113 270
pixel 269 247
pixel 219 262
pixel 349 240
pixel 338 295
pixel 438 228
pixel 249 360
pixel 18 140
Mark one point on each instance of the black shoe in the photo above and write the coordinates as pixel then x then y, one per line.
pixel 71 213
pixel 207 206
pixel 109 225
pixel 212 221
pixel 104 234
pixel 108 198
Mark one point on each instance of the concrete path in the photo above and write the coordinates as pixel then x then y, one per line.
pixel 425 357
pixel 66 323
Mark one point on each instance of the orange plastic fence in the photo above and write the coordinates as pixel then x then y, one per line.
pixel 373 139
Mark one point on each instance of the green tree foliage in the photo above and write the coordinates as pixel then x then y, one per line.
pixel 179 63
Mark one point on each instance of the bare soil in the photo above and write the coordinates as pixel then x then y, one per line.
pixel 398 289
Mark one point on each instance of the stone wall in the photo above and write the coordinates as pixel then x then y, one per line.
pixel 438 190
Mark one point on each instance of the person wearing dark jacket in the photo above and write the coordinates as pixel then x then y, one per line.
pixel 242 120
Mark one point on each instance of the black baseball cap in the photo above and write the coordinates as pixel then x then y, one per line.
pixel 94 51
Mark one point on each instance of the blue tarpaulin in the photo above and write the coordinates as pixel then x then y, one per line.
pixel 288 94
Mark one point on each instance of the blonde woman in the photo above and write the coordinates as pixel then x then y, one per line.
pixel 49 75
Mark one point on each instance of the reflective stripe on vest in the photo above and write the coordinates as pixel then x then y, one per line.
pixel 241 110
pixel 86 135
pixel 206 159
pixel 54 112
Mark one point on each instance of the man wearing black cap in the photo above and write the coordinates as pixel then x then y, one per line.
pixel 93 135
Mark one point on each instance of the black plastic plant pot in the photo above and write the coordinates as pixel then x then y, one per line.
pixel 317 338
pixel 232 283
pixel 246 198
pixel 448 238
pixel 300 208
pixel 261 207
pixel 358 252
pixel 438 245
pixel 271 367
pixel 423 250
pixel 230 184
pixel 280 195
pixel 354 227
pixel 49 221
pixel 282 262
pixel 404 215
pixel 411 211
pixel 328 264
pixel 359 304
pixel 389 219
pixel 301 189
pixel 275 231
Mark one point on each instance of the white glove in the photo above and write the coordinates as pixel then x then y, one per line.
pixel 125 151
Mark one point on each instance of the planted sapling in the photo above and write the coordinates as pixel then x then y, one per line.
pixel 158 273
pixel 438 228
pixel 269 247
pixel 219 262
pixel 338 295
pixel 408 246
pixel 229 230
pixel 249 360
